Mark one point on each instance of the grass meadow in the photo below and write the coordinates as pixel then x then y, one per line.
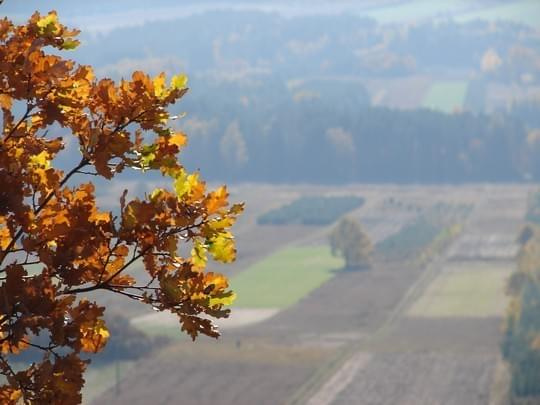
pixel 446 96
pixel 473 290
pixel 283 278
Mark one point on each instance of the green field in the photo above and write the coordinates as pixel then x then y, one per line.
pixel 470 291
pixel 276 282
pixel 446 96
pixel 283 278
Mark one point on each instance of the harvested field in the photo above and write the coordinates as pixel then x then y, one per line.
pixel 451 335
pixel 188 373
pixel 493 246
pixel 491 232
pixel 424 360
pixel 453 362
pixel 448 379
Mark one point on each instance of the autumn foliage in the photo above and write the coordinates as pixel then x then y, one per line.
pixel 57 245
pixel 521 343
pixel 349 240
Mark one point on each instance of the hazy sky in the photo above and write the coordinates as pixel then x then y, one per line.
pixel 103 15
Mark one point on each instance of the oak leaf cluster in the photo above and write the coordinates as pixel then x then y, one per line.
pixel 57 246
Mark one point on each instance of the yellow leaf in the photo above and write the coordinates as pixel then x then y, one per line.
pixel 100 217
pixel 185 183
pixel 41 160
pixel 180 183
pixel 179 82
pixel 221 224
pixel 10 395
pixel 5 238
pixel 155 194
pixel 222 248
pixel 15 395
pixel 223 299
pixel 159 85
pixel 94 336
pixel 48 24
pixel 216 280
pixel 130 217
pixel 48 19
pixel 5 101
pixel 198 255
pixel 179 139
pixel 13 347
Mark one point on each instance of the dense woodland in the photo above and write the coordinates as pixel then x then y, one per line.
pixel 278 99
pixel 284 99
pixel 522 333
pixel 311 211
pixel 318 142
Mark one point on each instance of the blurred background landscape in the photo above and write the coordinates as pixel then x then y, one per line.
pixel 418 120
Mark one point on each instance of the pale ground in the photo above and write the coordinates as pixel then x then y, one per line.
pixel 239 317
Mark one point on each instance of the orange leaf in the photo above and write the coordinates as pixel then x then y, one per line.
pixel 216 200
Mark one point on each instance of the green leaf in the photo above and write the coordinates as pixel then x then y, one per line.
pixel 147 156
pixel 70 44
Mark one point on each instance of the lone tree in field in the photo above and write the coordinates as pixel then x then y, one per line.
pixel 56 245
pixel 352 243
